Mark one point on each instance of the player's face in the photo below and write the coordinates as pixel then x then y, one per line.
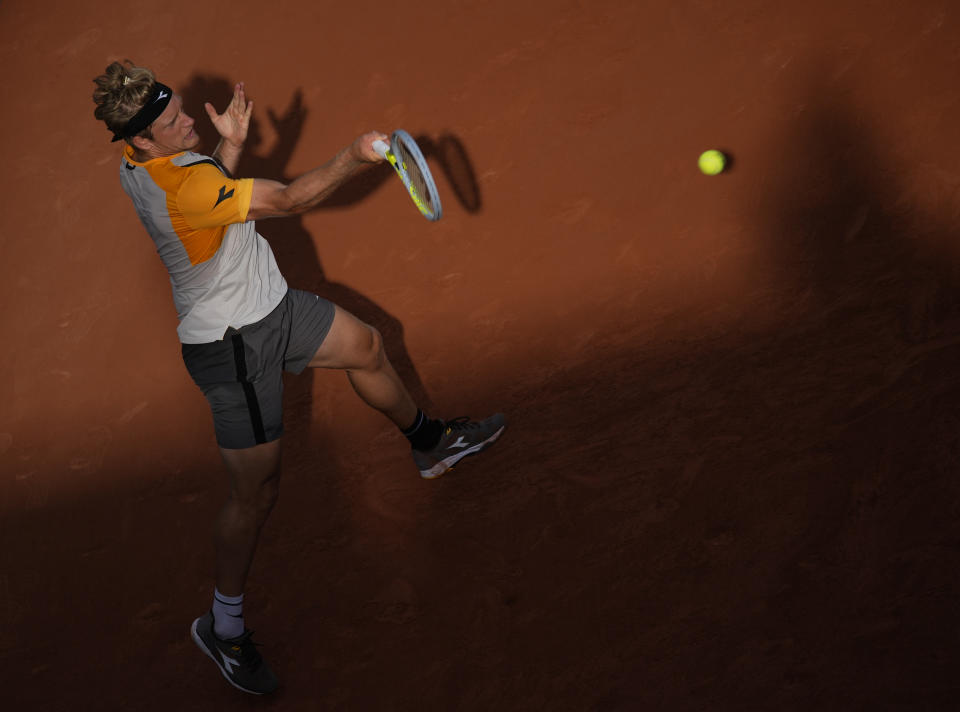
pixel 173 129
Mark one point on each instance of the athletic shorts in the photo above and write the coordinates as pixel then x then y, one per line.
pixel 241 375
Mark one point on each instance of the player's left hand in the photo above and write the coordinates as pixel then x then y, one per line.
pixel 233 123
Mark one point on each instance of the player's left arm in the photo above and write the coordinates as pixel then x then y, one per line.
pixel 232 125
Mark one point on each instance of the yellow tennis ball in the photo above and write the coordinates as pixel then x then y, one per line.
pixel 712 162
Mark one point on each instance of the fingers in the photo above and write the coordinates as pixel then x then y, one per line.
pixel 365 148
pixel 211 112
pixel 238 98
pixel 239 106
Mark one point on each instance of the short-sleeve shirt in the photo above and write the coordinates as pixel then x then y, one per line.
pixel 223 273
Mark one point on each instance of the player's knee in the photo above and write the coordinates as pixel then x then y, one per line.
pixel 258 501
pixel 267 496
pixel 373 356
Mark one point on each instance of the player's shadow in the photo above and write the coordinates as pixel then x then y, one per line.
pixel 292 244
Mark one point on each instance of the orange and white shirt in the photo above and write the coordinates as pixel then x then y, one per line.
pixel 223 273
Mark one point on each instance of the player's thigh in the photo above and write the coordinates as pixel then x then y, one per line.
pixel 350 344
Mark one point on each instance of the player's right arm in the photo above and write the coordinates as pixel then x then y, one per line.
pixel 271 199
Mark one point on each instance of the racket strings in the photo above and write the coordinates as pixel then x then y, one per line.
pixel 420 184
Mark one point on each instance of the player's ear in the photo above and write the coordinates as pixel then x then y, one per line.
pixel 141 144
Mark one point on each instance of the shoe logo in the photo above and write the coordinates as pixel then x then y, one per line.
pixel 459 443
pixel 162 95
pixel 223 195
pixel 229 663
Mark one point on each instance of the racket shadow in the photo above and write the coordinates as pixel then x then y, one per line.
pixel 293 245
pixel 451 155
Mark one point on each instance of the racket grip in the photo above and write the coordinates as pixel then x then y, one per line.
pixel 381 148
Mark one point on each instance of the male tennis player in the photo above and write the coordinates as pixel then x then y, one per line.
pixel 240 325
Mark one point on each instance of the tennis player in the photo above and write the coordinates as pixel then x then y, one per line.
pixel 241 326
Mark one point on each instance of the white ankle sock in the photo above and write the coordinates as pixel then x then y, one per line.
pixel 227 615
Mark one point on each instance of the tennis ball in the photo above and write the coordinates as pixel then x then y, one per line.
pixel 712 162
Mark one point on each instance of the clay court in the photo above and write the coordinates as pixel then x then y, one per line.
pixel 730 479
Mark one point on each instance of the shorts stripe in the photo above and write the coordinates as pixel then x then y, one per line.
pixel 253 405
pixel 241 375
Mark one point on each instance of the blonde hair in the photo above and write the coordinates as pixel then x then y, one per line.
pixel 121 92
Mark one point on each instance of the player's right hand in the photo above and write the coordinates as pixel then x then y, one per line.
pixel 363 147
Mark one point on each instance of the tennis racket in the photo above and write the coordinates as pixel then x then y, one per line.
pixel 407 160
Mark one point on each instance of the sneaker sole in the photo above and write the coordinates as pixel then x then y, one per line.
pixel 447 463
pixel 206 651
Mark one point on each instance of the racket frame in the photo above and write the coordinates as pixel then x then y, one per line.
pixel 392 155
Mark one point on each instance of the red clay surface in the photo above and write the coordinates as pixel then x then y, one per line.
pixel 730 480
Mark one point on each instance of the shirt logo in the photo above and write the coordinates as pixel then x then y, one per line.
pixel 223 195
pixel 162 95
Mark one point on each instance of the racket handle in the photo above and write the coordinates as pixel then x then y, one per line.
pixel 381 148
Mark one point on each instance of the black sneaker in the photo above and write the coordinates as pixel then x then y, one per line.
pixel 237 658
pixel 461 437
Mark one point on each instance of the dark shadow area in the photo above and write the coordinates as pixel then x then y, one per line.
pixel 451 155
pixel 292 245
pixel 149 540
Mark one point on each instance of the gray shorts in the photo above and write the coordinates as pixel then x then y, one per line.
pixel 241 375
